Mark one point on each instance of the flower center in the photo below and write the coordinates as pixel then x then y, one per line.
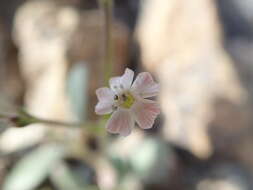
pixel 125 100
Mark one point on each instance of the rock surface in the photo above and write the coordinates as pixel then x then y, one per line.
pixel 203 100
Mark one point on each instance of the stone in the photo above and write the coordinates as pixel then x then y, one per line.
pixel 202 98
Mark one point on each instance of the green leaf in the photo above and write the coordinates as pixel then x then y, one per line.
pixel 121 165
pixel 77 88
pixel 63 178
pixel 151 160
pixel 22 119
pixel 32 169
pixel 66 179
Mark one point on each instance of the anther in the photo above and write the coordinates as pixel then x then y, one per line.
pixel 116 97
pixel 124 97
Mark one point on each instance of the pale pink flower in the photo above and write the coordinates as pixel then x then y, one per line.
pixel 127 102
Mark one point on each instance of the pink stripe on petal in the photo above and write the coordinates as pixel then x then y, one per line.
pixel 145 86
pixel 145 113
pixel 150 91
pixel 121 122
pixel 127 78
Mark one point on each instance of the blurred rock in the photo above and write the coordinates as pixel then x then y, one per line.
pixel 42 30
pixel 238 39
pixel 226 177
pixel 200 89
pixel 11 84
pixel 236 17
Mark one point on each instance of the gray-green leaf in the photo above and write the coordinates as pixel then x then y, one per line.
pixel 78 89
pixel 32 169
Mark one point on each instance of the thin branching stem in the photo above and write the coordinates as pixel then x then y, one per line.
pixel 60 123
pixel 107 9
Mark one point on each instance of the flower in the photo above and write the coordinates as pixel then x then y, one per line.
pixel 128 103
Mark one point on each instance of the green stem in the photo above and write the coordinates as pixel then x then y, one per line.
pixel 107 7
pixel 23 118
pixel 59 123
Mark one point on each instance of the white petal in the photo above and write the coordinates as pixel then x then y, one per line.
pixel 145 86
pixel 127 78
pixel 121 122
pixel 103 108
pixel 145 113
pixel 104 94
pixel 105 98
pixel 115 84
pixel 118 84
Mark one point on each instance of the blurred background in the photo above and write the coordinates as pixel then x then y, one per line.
pixel 54 54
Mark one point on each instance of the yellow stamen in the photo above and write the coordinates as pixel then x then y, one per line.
pixel 127 100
